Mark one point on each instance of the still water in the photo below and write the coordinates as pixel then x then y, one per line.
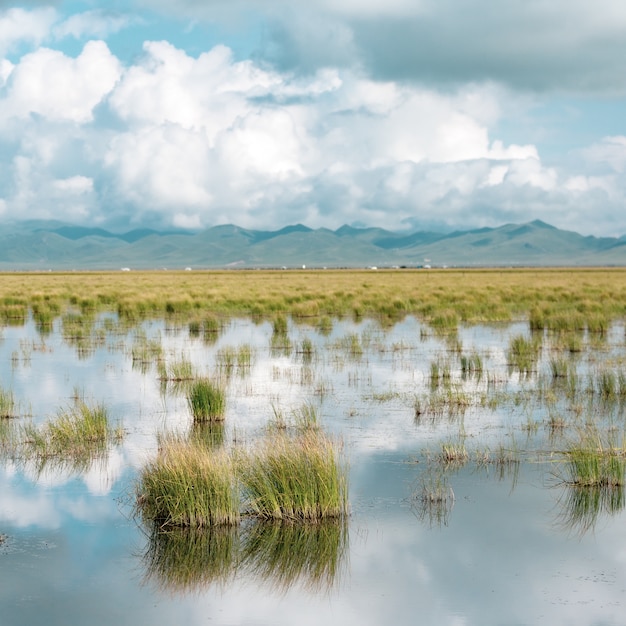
pixel 501 548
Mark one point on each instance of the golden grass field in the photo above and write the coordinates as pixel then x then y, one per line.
pixel 442 297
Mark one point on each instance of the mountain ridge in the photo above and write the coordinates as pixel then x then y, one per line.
pixel 43 245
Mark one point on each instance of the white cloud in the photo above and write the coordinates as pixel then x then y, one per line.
pixel 194 141
pixel 57 87
pixel 19 25
pixel 96 23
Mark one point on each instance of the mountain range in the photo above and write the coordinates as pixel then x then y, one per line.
pixel 43 245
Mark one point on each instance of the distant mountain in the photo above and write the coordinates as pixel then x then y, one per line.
pixel 43 245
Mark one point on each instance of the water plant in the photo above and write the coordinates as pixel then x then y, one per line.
pixel 594 461
pixel 81 431
pixel 523 353
pixel 434 500
pixel 7 403
pixel 295 478
pixel 206 400
pixel 188 485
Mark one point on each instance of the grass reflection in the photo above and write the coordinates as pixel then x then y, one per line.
pixel 583 507
pixel 284 553
pixel 182 560
pixel 186 560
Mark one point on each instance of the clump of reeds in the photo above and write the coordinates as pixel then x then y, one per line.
pixel 176 371
pixel 295 478
pixel 306 350
pixel 188 485
pixel 7 403
pixel 280 342
pixel 434 501
pixel 439 373
pixel 206 400
pixel 454 453
pixel 471 366
pixel 594 462
pixel 523 353
pixel 79 432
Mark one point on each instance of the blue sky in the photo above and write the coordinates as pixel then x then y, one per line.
pixel 404 114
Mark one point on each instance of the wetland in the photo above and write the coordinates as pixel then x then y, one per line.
pixel 354 447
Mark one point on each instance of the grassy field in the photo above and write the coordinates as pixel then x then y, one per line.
pixel 558 298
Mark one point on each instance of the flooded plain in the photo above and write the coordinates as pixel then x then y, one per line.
pixel 462 510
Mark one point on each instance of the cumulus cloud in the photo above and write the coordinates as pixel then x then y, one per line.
pixel 49 83
pixel 20 25
pixel 191 141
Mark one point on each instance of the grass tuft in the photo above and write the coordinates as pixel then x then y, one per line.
pixel 206 400
pixel 298 478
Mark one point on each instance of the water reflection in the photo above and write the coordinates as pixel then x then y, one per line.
pixel 184 560
pixel 280 554
pixel 582 507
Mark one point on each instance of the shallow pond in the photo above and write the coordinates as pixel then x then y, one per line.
pixel 501 542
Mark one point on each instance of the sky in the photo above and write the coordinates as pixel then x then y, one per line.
pixel 402 114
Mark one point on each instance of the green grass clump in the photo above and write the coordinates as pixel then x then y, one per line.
pixel 523 353
pixel 188 485
pixel 592 462
pixel 206 400
pixel 176 371
pixel 78 433
pixel 297 478
pixel 7 404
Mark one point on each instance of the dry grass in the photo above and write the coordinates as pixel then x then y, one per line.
pixel 550 298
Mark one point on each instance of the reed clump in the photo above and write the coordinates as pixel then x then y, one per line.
pixel 7 404
pixel 188 485
pixel 594 462
pixel 206 400
pixel 523 353
pixel 81 431
pixel 295 478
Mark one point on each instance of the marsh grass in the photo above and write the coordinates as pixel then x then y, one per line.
pixel 454 454
pixel 440 373
pixel 8 406
pixel 434 500
pixel 176 371
pixel 77 435
pixel 206 400
pixel 285 553
pixel 450 402
pixel 594 461
pixel 523 353
pixel 295 478
pixel 188 485
pixel 471 366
